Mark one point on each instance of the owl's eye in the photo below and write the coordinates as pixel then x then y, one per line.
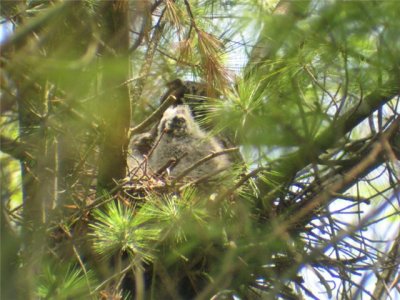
pixel 178 122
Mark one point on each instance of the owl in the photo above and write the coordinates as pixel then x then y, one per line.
pixel 180 138
pixel 185 92
pixel 190 127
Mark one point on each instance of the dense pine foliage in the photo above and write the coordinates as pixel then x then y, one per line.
pixel 304 96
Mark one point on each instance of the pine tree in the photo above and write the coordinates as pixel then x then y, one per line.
pixel 302 95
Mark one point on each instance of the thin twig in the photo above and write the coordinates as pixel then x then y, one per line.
pixel 203 178
pixel 17 150
pixel 311 75
pixel 342 182
pixel 153 117
pixel 78 257
pixel 240 183
pixel 170 164
pixel 148 60
pixel 147 157
pixel 294 162
pixel 189 11
pixel 111 278
pixel 202 161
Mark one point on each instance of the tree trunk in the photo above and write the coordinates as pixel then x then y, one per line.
pixel 114 103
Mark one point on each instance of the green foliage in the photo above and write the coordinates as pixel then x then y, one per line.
pixel 177 216
pixel 308 91
pixel 170 221
pixel 117 229
pixel 64 282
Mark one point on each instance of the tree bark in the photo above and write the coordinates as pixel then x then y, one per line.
pixel 115 104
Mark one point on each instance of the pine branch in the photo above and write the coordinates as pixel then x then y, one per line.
pixel 387 279
pixel 35 24
pixel 241 182
pixel 305 210
pixel 289 165
pixel 202 161
pixel 148 60
pixel 146 22
pixel 264 50
pixel 16 149
pixel 156 115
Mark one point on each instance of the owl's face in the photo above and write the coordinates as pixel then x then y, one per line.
pixel 176 121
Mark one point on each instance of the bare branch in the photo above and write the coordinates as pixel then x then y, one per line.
pixel 153 117
pixel 145 69
pixel 305 209
pixel 34 24
pixel 242 181
pixel 289 165
pixel 16 149
pixel 387 279
pixel 202 161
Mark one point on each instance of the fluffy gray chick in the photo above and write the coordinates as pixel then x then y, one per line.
pixel 183 139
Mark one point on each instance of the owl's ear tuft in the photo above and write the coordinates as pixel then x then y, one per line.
pixel 174 84
pixel 176 89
